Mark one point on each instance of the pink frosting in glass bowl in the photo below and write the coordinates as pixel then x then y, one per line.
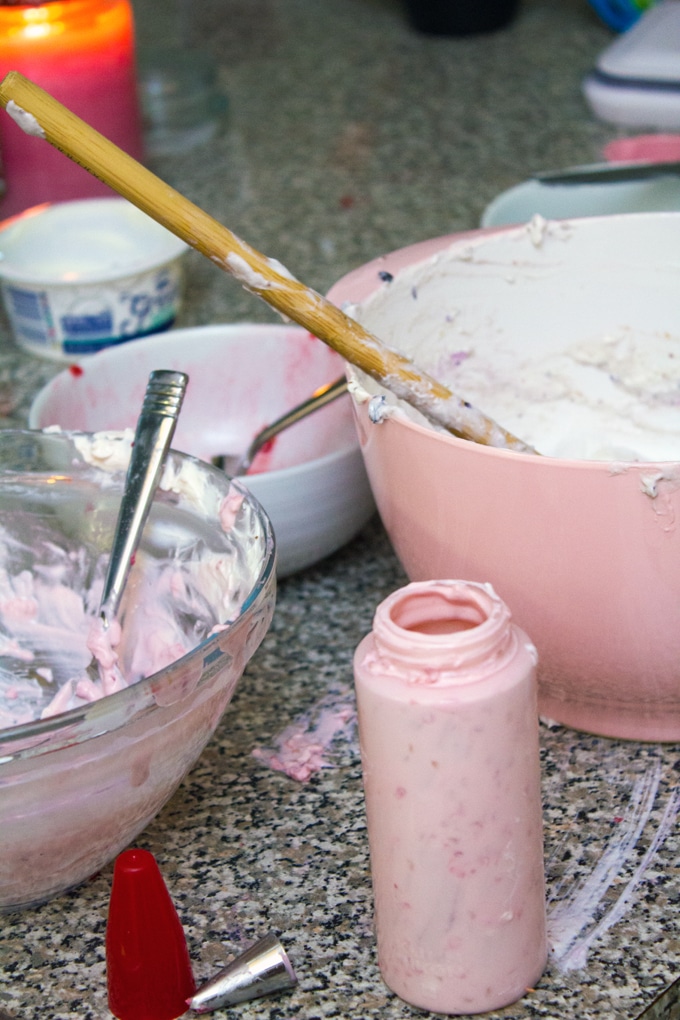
pixel 81 774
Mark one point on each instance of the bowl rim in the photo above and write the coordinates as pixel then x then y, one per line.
pixel 165 253
pixel 501 210
pixel 104 715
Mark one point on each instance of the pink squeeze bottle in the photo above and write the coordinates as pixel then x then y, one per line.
pixel 448 725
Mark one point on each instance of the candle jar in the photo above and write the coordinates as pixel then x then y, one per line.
pixel 448 727
pixel 83 53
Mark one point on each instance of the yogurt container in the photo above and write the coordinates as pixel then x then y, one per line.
pixel 80 276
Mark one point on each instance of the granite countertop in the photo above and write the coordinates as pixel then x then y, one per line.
pixel 349 135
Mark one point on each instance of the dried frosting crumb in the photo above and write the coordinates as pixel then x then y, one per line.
pixel 26 121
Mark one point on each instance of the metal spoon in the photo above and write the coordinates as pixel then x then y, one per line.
pixel 235 464
pixel 153 435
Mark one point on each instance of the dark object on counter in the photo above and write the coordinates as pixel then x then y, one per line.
pixel 148 970
pixel 666 1006
pixel 263 969
pixel 460 17
pixel 608 173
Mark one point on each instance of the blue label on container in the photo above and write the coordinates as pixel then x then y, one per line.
pixel 25 304
pixel 29 312
pixel 149 310
pixel 32 336
pixel 84 346
pixel 93 326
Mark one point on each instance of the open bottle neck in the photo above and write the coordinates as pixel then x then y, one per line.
pixel 452 626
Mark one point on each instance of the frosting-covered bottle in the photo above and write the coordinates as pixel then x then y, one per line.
pixel 448 726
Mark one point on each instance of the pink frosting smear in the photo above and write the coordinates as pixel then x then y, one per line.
pixel 301 749
pixel 51 631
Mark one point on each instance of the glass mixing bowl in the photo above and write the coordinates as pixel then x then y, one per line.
pixel 78 786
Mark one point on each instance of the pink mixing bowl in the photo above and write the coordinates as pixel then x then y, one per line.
pixel 585 552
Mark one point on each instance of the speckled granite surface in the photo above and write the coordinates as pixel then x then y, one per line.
pixel 349 135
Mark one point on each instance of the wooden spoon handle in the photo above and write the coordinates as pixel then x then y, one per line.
pixel 39 113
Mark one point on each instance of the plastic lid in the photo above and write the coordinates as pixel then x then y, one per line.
pixel 148 969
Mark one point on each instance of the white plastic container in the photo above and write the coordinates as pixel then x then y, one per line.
pixel 636 80
pixel 80 276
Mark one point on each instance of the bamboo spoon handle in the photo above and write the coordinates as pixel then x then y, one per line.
pixel 40 114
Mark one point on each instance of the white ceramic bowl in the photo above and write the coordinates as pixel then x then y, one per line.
pixel 80 276
pixel 241 377
pixel 77 787
pixel 586 552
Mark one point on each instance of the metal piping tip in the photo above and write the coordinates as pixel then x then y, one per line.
pixel 261 970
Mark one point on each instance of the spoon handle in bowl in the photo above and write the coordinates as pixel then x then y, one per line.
pixel 40 114
pixel 153 435
pixel 323 396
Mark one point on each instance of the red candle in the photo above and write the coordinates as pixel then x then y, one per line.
pixel 83 53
